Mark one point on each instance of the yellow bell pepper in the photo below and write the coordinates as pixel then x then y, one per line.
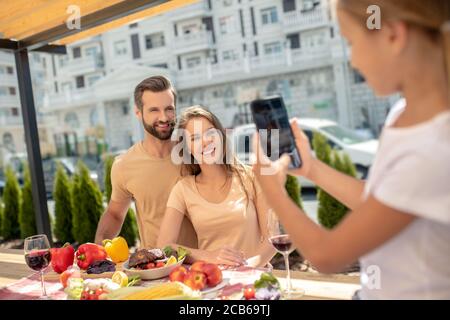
pixel 117 249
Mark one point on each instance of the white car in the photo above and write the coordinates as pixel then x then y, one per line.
pixel 360 150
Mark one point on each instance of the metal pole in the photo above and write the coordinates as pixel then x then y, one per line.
pixel 32 142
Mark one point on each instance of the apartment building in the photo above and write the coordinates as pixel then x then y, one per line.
pixel 219 53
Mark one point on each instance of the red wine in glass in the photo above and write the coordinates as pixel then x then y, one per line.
pixel 38 259
pixel 282 243
pixel 37 256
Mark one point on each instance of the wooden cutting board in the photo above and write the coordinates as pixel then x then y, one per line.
pixel 53 276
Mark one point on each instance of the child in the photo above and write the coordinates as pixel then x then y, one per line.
pixel 399 226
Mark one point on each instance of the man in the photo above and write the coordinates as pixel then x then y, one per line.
pixel 146 173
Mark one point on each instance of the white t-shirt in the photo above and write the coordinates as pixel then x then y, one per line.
pixel 411 173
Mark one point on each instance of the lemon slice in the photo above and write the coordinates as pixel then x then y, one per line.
pixel 120 278
pixel 172 260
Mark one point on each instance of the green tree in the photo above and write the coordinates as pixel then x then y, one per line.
pixel 27 219
pixel 11 198
pixel 331 211
pixel 129 228
pixel 63 206
pixel 87 205
pixel 1 217
pixel 293 189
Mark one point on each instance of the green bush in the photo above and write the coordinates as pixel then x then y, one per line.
pixel 293 189
pixel 129 228
pixel 63 206
pixel 11 198
pixel 87 205
pixel 27 219
pixel 1 217
pixel 331 211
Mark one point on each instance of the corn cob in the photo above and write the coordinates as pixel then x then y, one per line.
pixel 163 291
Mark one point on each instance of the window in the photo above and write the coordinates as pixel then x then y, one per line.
pixel 269 16
pixel 71 119
pixel 227 3
pixel 12 91
pixel 91 51
pixel 133 25
pixel 80 81
pixel 227 25
pixel 125 109
pixel 309 5
pixel 229 55
pixel 120 48
pixel 9 70
pixel 294 40
pixel 92 80
pixel 8 141
pixel 288 5
pixel 154 40
pixel 15 112
pixel 272 48
pixel 76 52
pixel 358 77
pixel 93 117
pixel 193 62
pixel 66 86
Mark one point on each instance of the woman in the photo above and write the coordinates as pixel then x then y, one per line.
pixel 218 195
pixel 399 226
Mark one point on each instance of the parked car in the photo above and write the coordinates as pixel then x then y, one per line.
pixel 49 167
pixel 361 150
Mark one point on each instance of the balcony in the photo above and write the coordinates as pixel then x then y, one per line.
pixel 199 9
pixel 265 65
pixel 84 65
pixel 8 80
pixel 297 21
pixel 202 40
pixel 69 98
pixel 6 121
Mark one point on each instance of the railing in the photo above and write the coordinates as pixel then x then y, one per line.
pixel 69 97
pixel 84 64
pixel 305 19
pixel 256 64
pixel 9 120
pixel 193 40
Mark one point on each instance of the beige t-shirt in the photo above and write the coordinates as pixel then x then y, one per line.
pixel 233 222
pixel 148 181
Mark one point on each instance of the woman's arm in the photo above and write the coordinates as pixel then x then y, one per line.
pixel 346 189
pixel 361 231
pixel 168 235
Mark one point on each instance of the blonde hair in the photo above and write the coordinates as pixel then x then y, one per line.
pixel 235 167
pixel 432 16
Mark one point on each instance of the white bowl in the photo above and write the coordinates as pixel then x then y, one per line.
pixel 152 274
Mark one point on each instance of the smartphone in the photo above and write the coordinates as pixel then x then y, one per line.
pixel 269 114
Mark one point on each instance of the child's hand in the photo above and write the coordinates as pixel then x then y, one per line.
pixel 303 146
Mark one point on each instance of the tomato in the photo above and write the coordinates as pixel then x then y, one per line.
pixel 150 265
pixel 160 264
pixel 249 293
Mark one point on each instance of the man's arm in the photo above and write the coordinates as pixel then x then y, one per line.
pixel 111 221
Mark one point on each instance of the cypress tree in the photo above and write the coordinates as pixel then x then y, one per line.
pixel 63 206
pixel 11 198
pixel 27 220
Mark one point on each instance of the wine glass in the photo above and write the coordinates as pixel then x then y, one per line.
pixel 283 244
pixel 37 257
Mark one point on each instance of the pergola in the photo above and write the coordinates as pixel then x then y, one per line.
pixel 47 26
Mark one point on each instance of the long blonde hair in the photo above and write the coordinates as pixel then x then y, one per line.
pixel 432 16
pixel 234 167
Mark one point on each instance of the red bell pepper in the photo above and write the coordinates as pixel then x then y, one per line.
pixel 88 253
pixel 62 258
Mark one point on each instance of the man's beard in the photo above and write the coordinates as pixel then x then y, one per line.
pixel 154 132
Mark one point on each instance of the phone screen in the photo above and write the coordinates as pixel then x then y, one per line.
pixel 271 114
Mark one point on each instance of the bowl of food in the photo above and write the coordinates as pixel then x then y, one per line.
pixel 150 264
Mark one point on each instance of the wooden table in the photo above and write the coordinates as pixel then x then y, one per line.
pixel 317 286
